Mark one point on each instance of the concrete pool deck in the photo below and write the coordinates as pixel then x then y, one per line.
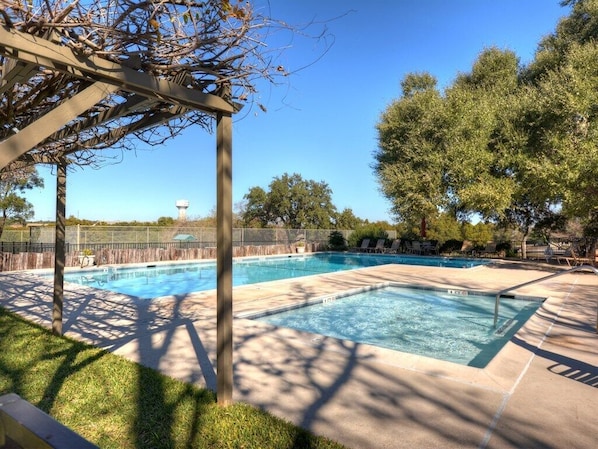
pixel 540 391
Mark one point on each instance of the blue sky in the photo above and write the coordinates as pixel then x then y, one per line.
pixel 321 122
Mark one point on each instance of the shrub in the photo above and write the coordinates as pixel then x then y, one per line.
pixel 504 248
pixel 336 241
pixel 372 232
pixel 451 246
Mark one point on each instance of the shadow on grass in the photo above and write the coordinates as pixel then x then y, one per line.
pixel 108 400
pixel 73 382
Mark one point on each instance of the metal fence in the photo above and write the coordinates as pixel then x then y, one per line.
pixel 78 238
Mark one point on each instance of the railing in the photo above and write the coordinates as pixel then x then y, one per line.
pixel 26 247
pixel 525 284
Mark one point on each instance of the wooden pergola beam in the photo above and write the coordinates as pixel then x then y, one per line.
pixel 132 104
pixel 113 134
pixel 60 250
pixel 15 72
pixel 147 122
pixel 42 52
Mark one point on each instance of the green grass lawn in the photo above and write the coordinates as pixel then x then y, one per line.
pixel 116 403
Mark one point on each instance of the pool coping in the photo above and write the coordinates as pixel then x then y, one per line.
pixel 391 356
pixel 103 268
pixel 362 396
pixel 485 377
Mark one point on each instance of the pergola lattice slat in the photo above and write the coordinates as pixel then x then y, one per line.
pixel 27 138
pixel 15 72
pixel 133 103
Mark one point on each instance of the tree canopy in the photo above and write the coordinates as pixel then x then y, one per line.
pixel 514 144
pixel 291 202
pixel 13 206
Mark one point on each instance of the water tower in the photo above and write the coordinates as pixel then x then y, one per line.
pixel 182 206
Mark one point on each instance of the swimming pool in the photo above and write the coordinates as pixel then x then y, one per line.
pixel 452 325
pixel 152 281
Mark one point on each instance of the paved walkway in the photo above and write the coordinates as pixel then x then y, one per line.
pixel 540 391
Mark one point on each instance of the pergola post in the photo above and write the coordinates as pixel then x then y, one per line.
pixel 59 254
pixel 224 261
pixel 111 90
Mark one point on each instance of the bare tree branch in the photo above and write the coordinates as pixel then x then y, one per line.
pixel 212 46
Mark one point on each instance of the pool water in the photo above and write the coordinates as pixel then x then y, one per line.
pixel 153 281
pixel 456 326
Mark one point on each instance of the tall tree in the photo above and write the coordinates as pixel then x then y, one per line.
pixel 291 202
pixel 347 220
pixel 13 183
pixel 409 160
pixel 488 151
pixel 563 118
pixel 465 151
pixel 255 210
pixel 443 152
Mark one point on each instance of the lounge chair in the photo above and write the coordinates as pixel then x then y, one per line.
pixel 365 243
pixel 394 248
pixel 548 253
pixel 572 258
pixel 379 248
pixel 553 251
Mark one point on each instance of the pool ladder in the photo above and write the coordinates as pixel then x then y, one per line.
pixel 525 284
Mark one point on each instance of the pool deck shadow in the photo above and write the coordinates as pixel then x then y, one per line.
pixel 540 391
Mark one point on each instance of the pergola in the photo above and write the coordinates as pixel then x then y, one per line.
pixel 119 98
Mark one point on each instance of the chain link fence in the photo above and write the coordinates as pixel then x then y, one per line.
pixel 78 238
pixel 102 245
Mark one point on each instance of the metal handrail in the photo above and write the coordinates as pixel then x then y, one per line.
pixel 525 284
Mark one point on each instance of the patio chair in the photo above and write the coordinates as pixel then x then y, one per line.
pixel 429 248
pixel 553 251
pixel 379 248
pixel 416 247
pixel 572 259
pixel 365 243
pixel 394 248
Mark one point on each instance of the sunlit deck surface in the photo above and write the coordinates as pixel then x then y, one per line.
pixel 540 391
